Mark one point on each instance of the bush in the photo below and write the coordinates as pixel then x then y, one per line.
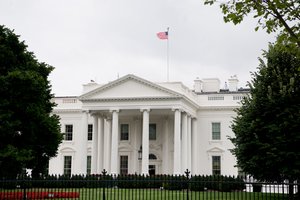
pixel 175 182
pixel 216 182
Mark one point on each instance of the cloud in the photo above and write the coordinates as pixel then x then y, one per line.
pixel 101 39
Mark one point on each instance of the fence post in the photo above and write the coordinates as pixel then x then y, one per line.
pixel 103 192
pixel 187 174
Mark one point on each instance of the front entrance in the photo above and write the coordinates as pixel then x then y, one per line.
pixel 151 170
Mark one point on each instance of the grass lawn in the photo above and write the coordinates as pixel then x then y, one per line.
pixel 156 194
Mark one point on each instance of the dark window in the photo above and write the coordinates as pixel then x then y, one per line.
pixel 123 165
pixel 152 157
pixel 216 165
pixel 67 165
pixel 90 131
pixel 216 130
pixel 88 164
pixel 151 170
pixel 69 132
pixel 124 132
pixel 152 131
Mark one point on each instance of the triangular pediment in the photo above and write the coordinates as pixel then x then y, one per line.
pixel 215 150
pixel 128 87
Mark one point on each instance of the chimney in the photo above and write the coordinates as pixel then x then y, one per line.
pixel 89 86
pixel 211 85
pixel 233 83
pixel 198 85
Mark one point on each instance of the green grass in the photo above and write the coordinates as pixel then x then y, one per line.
pixel 156 194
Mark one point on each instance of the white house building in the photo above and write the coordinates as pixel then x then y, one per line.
pixel 132 125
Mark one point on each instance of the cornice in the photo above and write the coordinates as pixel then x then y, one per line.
pixel 131 99
pixel 67 111
pixel 217 107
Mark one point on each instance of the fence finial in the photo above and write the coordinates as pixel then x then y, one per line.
pixel 104 172
pixel 187 173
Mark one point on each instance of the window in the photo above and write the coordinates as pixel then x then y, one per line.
pixel 238 97
pixel 151 170
pixel 215 98
pixel 124 132
pixel 216 165
pixel 152 131
pixel 123 165
pixel 67 165
pixel 68 132
pixel 152 157
pixel 216 130
pixel 90 131
pixel 88 164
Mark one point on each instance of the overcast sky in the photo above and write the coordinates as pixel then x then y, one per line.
pixel 103 39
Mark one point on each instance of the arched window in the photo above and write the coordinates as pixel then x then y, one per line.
pixel 152 156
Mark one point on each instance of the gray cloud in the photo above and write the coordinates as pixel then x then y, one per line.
pixel 99 39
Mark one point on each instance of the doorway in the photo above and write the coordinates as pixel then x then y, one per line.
pixel 151 170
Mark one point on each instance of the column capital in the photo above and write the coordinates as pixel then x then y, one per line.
pixel 179 108
pixel 86 111
pixel 112 110
pixel 145 109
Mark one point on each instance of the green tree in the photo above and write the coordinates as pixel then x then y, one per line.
pixel 267 128
pixel 272 15
pixel 29 134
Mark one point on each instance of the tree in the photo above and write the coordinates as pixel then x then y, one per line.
pixel 272 15
pixel 267 128
pixel 29 134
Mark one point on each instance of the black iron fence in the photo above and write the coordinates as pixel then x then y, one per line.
pixel 158 187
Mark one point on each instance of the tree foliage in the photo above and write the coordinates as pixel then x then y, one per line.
pixel 267 128
pixel 29 134
pixel 272 15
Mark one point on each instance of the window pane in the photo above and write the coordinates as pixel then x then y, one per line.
pixel 152 131
pixel 68 132
pixel 67 165
pixel 123 165
pixel 90 131
pixel 216 165
pixel 124 131
pixel 152 157
pixel 88 164
pixel 216 131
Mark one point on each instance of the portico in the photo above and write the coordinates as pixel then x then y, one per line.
pixel 170 147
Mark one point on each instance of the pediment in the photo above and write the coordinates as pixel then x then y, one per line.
pixel 129 87
pixel 215 150
pixel 67 150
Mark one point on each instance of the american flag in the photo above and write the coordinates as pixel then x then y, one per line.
pixel 162 35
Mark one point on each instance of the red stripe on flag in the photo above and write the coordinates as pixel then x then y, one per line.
pixel 162 35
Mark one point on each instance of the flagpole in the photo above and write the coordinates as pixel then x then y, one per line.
pixel 168 55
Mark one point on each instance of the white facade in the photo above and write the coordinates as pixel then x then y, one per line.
pixel 132 125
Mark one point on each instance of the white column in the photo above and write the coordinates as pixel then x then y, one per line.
pixel 189 142
pixel 136 144
pixel 107 145
pixel 195 144
pixel 145 156
pixel 184 143
pixel 100 151
pixel 114 142
pixel 177 142
pixel 95 145
pixel 166 148
pixel 81 155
